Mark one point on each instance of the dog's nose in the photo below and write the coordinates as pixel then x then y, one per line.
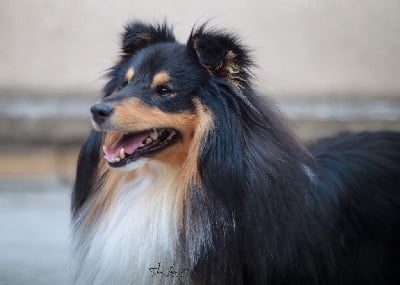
pixel 100 112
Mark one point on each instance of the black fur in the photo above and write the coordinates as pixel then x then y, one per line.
pixel 280 213
pixel 213 47
pixel 86 171
pixel 138 35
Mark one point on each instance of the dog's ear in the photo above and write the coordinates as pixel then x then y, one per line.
pixel 138 35
pixel 222 54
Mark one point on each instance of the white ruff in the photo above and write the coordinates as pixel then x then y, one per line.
pixel 138 232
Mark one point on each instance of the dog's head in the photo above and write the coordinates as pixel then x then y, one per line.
pixel 156 104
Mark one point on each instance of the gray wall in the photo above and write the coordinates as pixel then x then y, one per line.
pixel 319 47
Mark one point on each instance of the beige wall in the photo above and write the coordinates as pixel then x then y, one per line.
pixel 302 46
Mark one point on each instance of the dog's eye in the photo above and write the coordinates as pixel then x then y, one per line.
pixel 164 91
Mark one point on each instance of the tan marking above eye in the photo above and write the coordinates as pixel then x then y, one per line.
pixel 160 78
pixel 129 74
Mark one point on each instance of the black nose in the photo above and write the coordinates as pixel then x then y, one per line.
pixel 100 112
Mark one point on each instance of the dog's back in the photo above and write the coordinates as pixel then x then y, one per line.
pixel 358 188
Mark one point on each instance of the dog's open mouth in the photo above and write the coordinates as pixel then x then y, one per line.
pixel 131 146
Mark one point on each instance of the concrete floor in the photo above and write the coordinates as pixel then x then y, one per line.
pixel 34 239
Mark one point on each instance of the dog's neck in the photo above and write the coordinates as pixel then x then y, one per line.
pixel 138 231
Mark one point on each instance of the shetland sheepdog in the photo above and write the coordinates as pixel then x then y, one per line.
pixel 190 178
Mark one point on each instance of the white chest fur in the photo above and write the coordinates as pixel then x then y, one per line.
pixel 136 235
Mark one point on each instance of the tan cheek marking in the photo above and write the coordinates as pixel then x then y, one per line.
pixel 178 153
pixel 129 74
pixel 204 125
pixel 160 78
pixel 134 115
pixel 190 175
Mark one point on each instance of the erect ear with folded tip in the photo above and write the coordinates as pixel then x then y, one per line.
pixel 138 35
pixel 221 54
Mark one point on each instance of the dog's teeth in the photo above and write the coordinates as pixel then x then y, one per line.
pixel 154 135
pixel 117 159
pixel 122 153
pixel 109 159
pixel 149 141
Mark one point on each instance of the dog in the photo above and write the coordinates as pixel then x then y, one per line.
pixel 190 177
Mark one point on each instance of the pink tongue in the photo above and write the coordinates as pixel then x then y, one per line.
pixel 128 143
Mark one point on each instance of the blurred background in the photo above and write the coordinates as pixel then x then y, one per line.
pixel 329 66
